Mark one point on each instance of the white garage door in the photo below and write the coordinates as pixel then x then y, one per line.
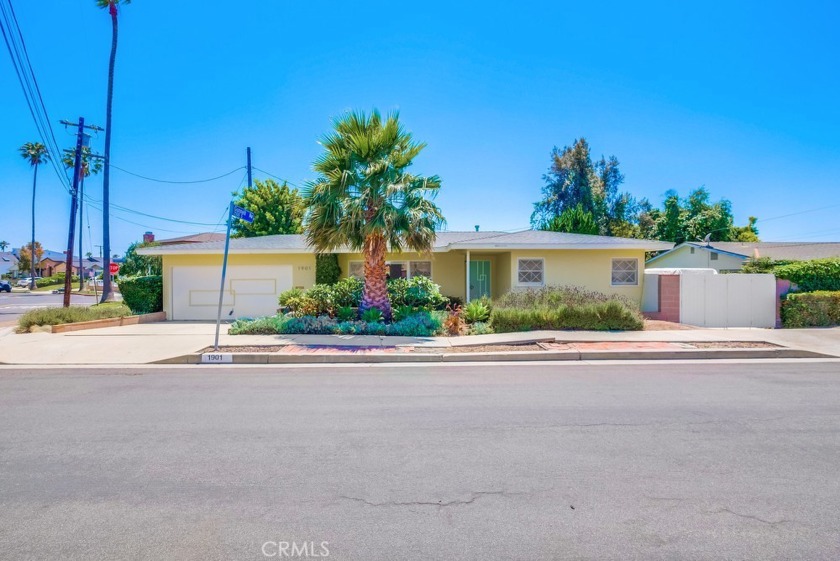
pixel 250 291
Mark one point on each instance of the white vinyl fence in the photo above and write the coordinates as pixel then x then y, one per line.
pixel 734 300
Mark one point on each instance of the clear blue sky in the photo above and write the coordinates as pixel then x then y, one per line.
pixel 741 97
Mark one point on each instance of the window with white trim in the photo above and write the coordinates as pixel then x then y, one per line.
pixel 420 269
pixel 357 269
pixel 530 272
pixel 714 256
pixel 625 272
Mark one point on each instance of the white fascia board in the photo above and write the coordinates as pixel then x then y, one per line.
pixel 219 251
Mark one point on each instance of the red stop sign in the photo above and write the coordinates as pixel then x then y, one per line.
pixel 114 268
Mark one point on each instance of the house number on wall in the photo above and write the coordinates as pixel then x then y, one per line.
pixel 304 268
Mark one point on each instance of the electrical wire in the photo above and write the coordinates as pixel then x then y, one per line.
pixel 231 172
pixel 276 177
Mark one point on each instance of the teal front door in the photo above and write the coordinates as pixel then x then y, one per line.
pixel 479 279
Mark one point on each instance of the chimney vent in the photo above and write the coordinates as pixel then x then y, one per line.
pixel 476 227
pixel 148 237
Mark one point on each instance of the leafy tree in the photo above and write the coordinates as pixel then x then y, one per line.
pixel 107 290
pixel 36 154
pixel 140 265
pixel 574 220
pixel 366 200
pixel 573 181
pixel 327 270
pixel 277 210
pixel 25 260
pixel 694 218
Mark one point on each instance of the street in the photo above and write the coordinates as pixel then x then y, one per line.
pixel 15 304
pixel 514 461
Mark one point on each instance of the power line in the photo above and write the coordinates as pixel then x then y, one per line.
pixel 231 172
pixel 797 213
pixel 276 177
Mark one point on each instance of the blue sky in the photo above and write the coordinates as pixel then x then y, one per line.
pixel 739 97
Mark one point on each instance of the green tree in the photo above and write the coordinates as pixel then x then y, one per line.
pixel 327 269
pixel 4 245
pixel 107 290
pixel 25 260
pixel 277 210
pixel 36 154
pixel 694 218
pixel 574 220
pixel 365 199
pixel 141 265
pixel 573 181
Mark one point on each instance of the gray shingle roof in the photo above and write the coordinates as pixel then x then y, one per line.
pixel 780 251
pixel 445 241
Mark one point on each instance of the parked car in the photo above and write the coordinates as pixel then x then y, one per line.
pixel 5 286
pixel 24 282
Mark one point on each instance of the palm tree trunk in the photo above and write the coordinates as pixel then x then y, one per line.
pixel 32 247
pixel 107 291
pixel 375 294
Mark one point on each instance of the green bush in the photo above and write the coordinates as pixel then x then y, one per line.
pixel 348 292
pixel 811 309
pixel 258 326
pixel 327 270
pixel 809 276
pixel 564 308
pixel 322 298
pixel 290 296
pixel 144 295
pixel 417 292
pixel 480 328
pixel 346 313
pixel 476 311
pixel 73 314
pixel 372 315
pixel 420 324
pixel 56 279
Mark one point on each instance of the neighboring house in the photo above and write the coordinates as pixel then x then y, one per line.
pixel 193 238
pixel 8 263
pixel 466 265
pixel 90 264
pixel 726 257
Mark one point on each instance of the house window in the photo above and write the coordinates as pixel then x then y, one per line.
pixel 625 272
pixel 531 272
pixel 357 269
pixel 420 269
pixel 692 251
pixel 714 256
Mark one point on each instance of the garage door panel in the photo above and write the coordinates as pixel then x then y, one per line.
pixel 249 291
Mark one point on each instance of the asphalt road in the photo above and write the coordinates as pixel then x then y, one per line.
pixel 15 304
pixel 561 461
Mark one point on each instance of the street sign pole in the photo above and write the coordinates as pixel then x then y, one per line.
pixel 224 272
pixel 240 214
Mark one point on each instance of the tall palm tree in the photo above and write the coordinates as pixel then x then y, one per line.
pixel 4 245
pixel 91 165
pixel 365 200
pixel 107 291
pixel 36 154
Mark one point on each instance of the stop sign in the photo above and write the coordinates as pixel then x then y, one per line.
pixel 114 268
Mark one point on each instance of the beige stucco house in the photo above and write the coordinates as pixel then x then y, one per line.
pixel 466 265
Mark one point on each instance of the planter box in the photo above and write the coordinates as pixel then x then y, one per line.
pixel 110 322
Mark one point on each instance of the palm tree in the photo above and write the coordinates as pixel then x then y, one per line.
pixel 91 165
pixel 4 245
pixel 36 154
pixel 107 292
pixel 365 200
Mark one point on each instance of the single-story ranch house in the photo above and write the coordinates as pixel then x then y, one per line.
pixel 466 265
pixel 729 257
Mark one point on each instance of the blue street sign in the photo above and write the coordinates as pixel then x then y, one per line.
pixel 242 214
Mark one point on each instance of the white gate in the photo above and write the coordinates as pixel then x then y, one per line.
pixel 734 300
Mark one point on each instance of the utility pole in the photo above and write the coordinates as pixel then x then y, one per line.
pixel 249 165
pixel 81 142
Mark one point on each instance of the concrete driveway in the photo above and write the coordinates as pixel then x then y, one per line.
pixel 654 461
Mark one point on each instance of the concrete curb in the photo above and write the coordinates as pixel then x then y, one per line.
pixel 512 356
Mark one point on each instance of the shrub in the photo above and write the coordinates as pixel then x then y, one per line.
pixel 401 312
pixel 321 296
pixel 258 326
pixel 372 315
pixel 564 308
pixel 56 279
pixel 418 292
pixel 290 297
pixel 327 270
pixel 811 309
pixel 809 276
pixel 453 324
pixel 419 324
pixel 309 325
pixel 144 295
pixel 480 328
pixel 348 292
pixel 73 314
pixel 346 313
pixel 476 310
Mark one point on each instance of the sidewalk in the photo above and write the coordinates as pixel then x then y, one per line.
pixel 147 343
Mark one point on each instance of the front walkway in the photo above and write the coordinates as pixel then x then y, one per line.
pixel 145 343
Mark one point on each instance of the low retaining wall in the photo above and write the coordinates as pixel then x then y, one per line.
pixel 110 322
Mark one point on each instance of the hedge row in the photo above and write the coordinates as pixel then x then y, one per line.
pixel 144 295
pixel 810 276
pixel 73 314
pixel 811 309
